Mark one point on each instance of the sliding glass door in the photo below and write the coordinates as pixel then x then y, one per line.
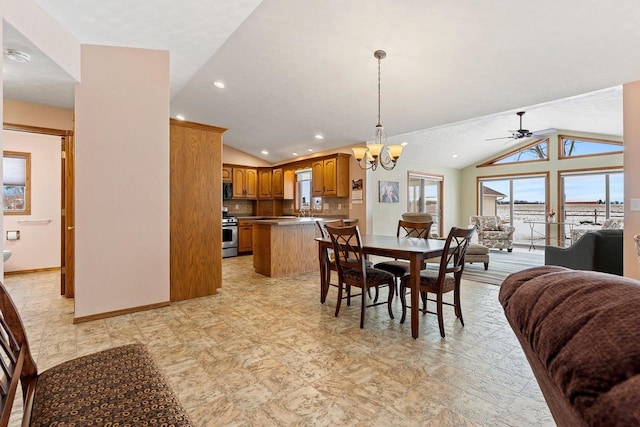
pixel 425 195
pixel 519 201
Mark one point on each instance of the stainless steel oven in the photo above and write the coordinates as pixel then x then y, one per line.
pixel 229 236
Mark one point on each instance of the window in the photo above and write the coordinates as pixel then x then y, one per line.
pixel 16 183
pixel 303 200
pixel 590 198
pixel 581 147
pixel 425 196
pixel 534 152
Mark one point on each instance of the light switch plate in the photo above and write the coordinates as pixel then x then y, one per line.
pixel 635 205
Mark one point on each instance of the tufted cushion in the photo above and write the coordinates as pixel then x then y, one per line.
pixel 373 275
pixel 397 268
pixel 124 380
pixel 430 278
pixel 580 331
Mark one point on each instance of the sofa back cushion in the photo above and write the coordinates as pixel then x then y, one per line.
pixel 581 329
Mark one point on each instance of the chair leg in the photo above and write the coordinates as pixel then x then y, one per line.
pixel 403 301
pixel 348 295
pixel 392 285
pixel 439 310
pixel 325 289
pixel 456 301
pixel 375 299
pixel 424 296
pixel 339 298
pixel 362 307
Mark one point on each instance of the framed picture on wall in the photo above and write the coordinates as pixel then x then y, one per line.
pixel 389 192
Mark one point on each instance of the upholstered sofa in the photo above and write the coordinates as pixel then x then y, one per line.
pixel 492 233
pixel 599 250
pixel 611 223
pixel 579 331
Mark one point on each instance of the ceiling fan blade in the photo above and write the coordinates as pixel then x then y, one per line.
pixel 504 137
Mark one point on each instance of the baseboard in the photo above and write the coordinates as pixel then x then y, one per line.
pixel 34 270
pixel 120 312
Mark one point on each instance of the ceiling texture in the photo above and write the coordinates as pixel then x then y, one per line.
pixel 455 72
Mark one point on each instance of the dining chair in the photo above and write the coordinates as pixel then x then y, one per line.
pixel 352 269
pixel 331 264
pixel 407 229
pixel 446 279
pixel 329 258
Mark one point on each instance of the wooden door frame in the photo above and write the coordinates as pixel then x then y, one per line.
pixel 67 246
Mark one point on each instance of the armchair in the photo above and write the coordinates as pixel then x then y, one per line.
pixel 493 234
pixel 599 250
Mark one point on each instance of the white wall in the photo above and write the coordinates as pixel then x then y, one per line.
pixel 383 217
pixel 122 180
pixel 631 100
pixel 39 244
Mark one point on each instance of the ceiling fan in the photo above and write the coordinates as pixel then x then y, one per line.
pixel 524 133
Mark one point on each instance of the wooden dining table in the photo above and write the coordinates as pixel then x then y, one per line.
pixel 415 250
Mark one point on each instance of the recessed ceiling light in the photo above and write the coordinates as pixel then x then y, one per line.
pixel 318 136
pixel 180 117
pixel 454 156
pixel 16 55
pixel 310 150
pixel 404 144
pixel 294 154
pixel 218 84
pixel 265 152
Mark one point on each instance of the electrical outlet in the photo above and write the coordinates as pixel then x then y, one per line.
pixel 635 205
pixel 237 206
pixel 339 206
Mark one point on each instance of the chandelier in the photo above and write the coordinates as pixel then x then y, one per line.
pixel 374 153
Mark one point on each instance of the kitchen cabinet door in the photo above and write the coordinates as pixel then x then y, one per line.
pixel 245 236
pixel 227 174
pixel 277 187
pixel 251 184
pixel 317 178
pixel 264 184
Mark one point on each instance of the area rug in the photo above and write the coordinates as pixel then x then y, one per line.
pixel 501 264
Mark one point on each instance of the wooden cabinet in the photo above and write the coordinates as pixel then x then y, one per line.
pixel 195 234
pixel 277 187
pixel 245 236
pixel 227 174
pixel 330 176
pixel 264 184
pixel 245 183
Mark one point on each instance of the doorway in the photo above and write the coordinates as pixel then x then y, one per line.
pixel 66 202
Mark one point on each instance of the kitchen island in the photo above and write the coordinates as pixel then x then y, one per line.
pixel 285 246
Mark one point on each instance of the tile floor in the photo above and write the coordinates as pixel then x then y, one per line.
pixel 265 352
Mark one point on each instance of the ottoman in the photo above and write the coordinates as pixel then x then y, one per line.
pixel 477 253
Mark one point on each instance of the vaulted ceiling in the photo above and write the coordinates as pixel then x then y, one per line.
pixel 454 75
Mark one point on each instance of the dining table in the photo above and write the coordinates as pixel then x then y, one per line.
pixel 415 250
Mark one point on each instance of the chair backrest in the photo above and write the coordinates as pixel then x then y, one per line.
pixel 347 248
pixel 15 358
pixel 452 260
pixel 485 223
pixel 413 229
pixel 417 217
pixel 322 226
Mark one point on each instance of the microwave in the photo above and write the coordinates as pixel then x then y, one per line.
pixel 227 191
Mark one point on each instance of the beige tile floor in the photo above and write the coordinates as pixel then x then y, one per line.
pixel 265 352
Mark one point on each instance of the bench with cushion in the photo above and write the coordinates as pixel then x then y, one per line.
pixel 579 331
pixel 119 386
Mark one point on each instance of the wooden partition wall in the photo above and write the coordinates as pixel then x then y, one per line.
pixel 195 209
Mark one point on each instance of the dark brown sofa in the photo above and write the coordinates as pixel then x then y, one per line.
pixel 580 331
